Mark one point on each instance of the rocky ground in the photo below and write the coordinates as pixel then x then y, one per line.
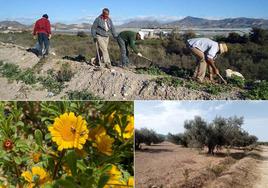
pixel 114 84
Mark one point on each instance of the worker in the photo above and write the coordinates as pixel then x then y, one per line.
pixel 125 39
pixel 100 31
pixel 206 52
pixel 42 32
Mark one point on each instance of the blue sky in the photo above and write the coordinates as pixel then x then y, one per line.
pixel 169 116
pixel 123 10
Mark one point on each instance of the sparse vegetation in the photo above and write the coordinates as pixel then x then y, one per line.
pixel 169 81
pixel 237 81
pixel 153 70
pixel 51 83
pixel 65 74
pixel 257 91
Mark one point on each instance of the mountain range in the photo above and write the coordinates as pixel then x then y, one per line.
pixel 187 22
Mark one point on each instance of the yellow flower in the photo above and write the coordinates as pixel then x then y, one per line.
pixel 37 177
pixel 104 144
pixel 111 118
pixel 36 157
pixel 115 179
pixel 69 131
pixel 130 181
pixel 129 130
pixel 95 132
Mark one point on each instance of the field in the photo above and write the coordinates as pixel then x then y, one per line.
pixel 168 77
pixel 172 166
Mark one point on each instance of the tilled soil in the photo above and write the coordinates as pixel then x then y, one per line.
pixel 166 165
pixel 114 84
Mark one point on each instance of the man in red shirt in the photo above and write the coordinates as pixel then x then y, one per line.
pixel 42 31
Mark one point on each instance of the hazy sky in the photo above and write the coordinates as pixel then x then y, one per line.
pixel 122 10
pixel 169 116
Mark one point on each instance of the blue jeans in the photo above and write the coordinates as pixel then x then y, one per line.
pixel 43 41
pixel 124 51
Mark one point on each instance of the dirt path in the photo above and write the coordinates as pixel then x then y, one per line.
pixel 263 167
pixel 164 165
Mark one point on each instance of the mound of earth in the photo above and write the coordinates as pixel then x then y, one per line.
pixel 114 84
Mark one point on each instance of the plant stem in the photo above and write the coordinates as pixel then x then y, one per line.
pixel 58 165
pixel 17 172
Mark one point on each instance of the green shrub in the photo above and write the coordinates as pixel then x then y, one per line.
pixel 217 170
pixel 153 70
pixel 82 34
pixel 180 72
pixel 215 89
pixel 65 74
pixel 258 91
pixel 28 77
pixel 51 84
pixel 10 71
pixel 169 81
pixel 237 81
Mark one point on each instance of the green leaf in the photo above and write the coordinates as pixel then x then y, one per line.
pixel 38 135
pixel 103 181
pixel 71 159
pixel 66 183
pixel 48 136
pixel 18 160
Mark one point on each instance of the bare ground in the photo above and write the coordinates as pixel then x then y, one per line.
pixel 115 84
pixel 263 169
pixel 172 166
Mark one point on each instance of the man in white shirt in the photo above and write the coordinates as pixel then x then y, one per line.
pixel 206 51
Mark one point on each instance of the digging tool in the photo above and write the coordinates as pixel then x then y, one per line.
pixel 151 61
pixel 222 78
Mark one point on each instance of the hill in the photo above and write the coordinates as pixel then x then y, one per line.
pixel 187 22
pixel 224 23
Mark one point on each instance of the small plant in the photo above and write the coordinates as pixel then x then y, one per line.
pixel 169 81
pixel 83 95
pixel 186 175
pixel 216 169
pixel 237 81
pixel 51 84
pixel 180 72
pixel 154 70
pixel 215 89
pixel 28 77
pixel 82 34
pixel 257 91
pixel 65 74
pixel 10 71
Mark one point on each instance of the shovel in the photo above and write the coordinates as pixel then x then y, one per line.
pixel 151 61
pixel 224 81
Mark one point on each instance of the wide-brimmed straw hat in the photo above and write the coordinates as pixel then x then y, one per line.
pixel 223 48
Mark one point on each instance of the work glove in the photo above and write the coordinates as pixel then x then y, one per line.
pixel 34 37
pixel 139 54
pixel 49 36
